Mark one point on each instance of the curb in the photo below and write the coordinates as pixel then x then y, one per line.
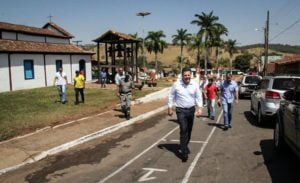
pixel 83 139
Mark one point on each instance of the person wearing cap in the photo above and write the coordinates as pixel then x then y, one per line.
pixel 79 85
pixel 125 88
pixel 185 94
pixel 229 93
pixel 61 81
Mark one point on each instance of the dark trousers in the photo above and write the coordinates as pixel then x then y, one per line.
pixel 77 91
pixel 185 118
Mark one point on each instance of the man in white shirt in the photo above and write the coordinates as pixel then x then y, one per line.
pixel 60 81
pixel 185 93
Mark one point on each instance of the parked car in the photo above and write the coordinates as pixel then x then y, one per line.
pixel 248 84
pixel 266 98
pixel 287 126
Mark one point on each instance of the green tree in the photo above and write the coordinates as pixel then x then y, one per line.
pixel 154 43
pixel 242 62
pixel 196 43
pixel 230 46
pixel 182 38
pixel 208 23
pixel 217 42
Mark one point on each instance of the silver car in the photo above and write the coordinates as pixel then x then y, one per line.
pixel 266 98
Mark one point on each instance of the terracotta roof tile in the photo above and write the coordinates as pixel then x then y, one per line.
pixel 113 36
pixel 36 47
pixel 31 30
pixel 60 29
pixel 288 60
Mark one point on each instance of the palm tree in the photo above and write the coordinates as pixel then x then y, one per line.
pixel 155 44
pixel 207 24
pixel 182 38
pixel 231 48
pixel 196 43
pixel 218 42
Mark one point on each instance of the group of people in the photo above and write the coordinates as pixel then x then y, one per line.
pixel 187 94
pixel 61 81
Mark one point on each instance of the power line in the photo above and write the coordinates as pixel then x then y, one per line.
pixel 286 29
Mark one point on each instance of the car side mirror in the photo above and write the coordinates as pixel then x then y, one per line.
pixel 288 95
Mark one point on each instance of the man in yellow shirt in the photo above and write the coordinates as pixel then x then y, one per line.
pixel 79 85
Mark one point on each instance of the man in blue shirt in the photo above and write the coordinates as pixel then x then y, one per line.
pixel 186 94
pixel 229 93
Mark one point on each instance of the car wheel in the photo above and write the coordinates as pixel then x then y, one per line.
pixel 278 136
pixel 259 116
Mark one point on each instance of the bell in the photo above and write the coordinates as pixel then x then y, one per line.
pixel 109 51
pixel 128 50
pixel 119 54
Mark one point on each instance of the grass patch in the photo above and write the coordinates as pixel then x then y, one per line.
pixel 27 110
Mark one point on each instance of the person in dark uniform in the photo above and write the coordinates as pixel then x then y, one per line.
pixel 125 93
pixel 186 94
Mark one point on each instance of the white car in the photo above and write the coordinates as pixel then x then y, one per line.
pixel 265 100
pixel 248 84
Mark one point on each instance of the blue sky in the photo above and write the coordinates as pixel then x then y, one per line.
pixel 88 19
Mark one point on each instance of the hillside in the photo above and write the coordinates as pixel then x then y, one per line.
pixel 275 47
pixel 169 57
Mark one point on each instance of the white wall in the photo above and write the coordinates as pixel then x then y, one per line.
pixel 4 72
pixel 57 40
pixel 17 71
pixel 88 65
pixel 9 35
pixel 51 67
pixel 26 37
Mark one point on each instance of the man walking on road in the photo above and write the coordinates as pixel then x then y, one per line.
pixel 186 94
pixel 210 94
pixel 229 93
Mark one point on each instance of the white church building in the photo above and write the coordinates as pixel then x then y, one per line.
pixel 30 56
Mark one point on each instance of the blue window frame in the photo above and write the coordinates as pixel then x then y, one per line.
pixel 28 69
pixel 58 64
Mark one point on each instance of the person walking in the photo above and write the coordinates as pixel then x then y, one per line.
pixel 79 85
pixel 125 93
pixel 61 81
pixel 119 76
pixel 185 93
pixel 210 94
pixel 229 93
pixel 103 78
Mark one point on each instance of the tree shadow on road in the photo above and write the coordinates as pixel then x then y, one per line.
pixel 283 166
pixel 253 121
pixel 174 148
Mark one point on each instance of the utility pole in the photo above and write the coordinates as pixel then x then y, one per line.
pixel 77 42
pixel 266 43
pixel 143 14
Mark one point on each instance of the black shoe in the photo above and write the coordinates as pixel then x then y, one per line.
pixel 212 118
pixel 128 117
pixel 185 157
pixel 229 126
pixel 225 128
pixel 63 102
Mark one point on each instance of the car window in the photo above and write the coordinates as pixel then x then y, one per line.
pixel 252 80
pixel 297 94
pixel 285 83
pixel 264 84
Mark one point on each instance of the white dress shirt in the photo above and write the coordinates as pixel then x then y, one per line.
pixel 185 95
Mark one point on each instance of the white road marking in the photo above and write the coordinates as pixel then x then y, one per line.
pixel 193 164
pixel 136 157
pixel 150 171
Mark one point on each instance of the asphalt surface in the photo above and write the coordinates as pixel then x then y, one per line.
pixel 147 151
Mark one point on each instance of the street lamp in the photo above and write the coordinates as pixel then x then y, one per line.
pixel 143 14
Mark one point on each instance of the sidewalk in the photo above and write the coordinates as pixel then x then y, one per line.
pixel 20 151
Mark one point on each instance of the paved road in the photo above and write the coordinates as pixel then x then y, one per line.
pixel 147 152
